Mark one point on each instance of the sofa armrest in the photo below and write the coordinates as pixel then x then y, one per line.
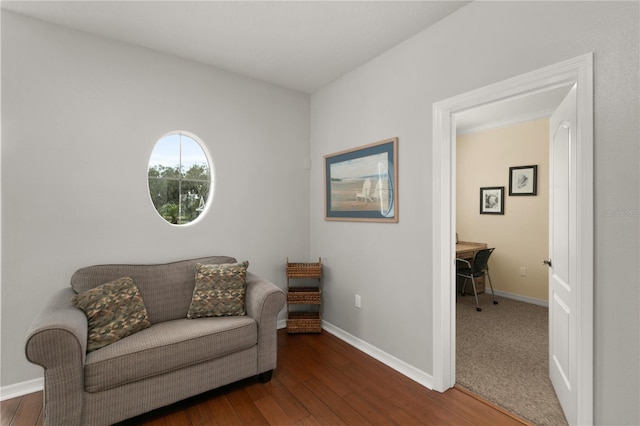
pixel 264 300
pixel 57 341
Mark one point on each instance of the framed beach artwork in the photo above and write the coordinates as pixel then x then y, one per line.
pixel 361 184
pixel 523 180
pixel 492 200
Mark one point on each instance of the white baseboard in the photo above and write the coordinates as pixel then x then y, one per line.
pixel 19 389
pixel 520 298
pixel 400 366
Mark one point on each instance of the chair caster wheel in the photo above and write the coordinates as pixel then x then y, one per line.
pixel 495 302
pixel 479 309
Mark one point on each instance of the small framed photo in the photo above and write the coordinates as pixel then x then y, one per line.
pixel 523 180
pixel 492 200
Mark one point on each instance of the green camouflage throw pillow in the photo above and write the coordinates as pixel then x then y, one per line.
pixel 114 311
pixel 219 291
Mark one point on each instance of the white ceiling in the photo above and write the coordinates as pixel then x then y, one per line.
pixel 301 45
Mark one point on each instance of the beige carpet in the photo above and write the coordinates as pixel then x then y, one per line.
pixel 502 355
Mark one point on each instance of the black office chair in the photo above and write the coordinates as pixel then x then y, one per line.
pixel 479 268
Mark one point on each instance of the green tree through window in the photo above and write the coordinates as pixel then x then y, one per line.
pixel 179 178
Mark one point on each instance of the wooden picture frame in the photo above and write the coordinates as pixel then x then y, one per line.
pixel 492 200
pixel 523 180
pixel 361 184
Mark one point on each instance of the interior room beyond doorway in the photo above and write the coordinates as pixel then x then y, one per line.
pixel 520 235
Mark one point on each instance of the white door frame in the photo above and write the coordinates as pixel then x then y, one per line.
pixel 578 70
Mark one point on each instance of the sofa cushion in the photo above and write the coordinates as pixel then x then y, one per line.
pixel 220 290
pixel 165 288
pixel 165 347
pixel 114 311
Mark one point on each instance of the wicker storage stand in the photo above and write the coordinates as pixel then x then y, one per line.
pixel 309 321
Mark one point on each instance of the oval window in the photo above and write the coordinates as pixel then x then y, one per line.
pixel 179 177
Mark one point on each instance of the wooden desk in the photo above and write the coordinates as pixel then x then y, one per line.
pixel 467 250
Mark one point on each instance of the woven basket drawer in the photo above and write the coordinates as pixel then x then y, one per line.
pixel 304 270
pixel 304 322
pixel 304 295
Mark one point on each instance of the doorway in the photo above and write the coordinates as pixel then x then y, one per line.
pixel 502 352
pixel 577 71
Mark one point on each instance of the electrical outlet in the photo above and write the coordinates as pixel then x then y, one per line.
pixel 358 301
pixel 523 271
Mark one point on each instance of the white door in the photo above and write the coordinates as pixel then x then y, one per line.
pixel 562 260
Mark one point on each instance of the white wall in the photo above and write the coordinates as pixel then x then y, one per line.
pixel 80 117
pixel 389 264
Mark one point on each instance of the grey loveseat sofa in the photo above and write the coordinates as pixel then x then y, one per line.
pixel 173 359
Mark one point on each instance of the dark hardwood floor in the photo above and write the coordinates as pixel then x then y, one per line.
pixel 320 380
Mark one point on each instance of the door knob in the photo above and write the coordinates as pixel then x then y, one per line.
pixel 547 262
